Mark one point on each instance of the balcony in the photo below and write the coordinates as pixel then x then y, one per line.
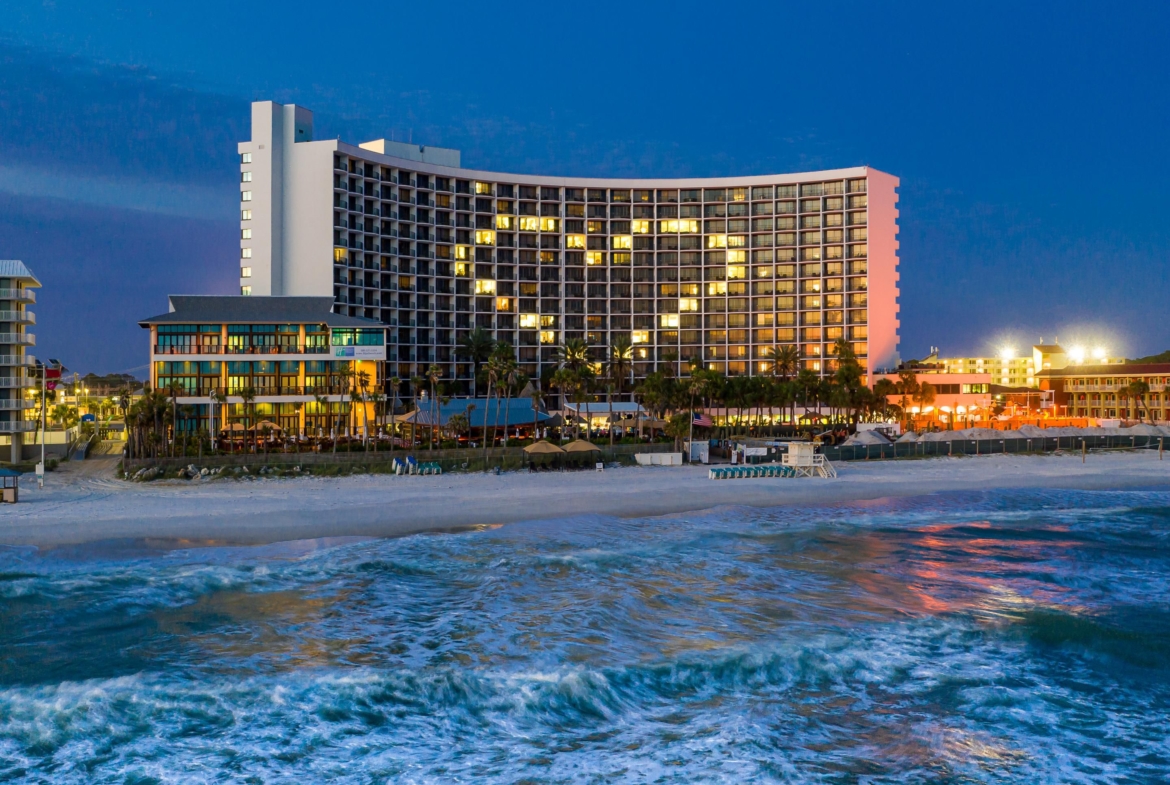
pixel 19 426
pixel 27 360
pixel 20 295
pixel 14 382
pixel 18 317
pixel 17 404
pixel 19 339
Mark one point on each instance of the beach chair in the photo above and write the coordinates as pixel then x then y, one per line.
pixel 411 465
pixel 399 466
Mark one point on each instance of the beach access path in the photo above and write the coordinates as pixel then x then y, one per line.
pixel 83 502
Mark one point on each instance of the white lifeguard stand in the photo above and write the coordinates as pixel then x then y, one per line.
pixel 804 459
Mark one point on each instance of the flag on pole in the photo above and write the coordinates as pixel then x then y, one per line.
pixel 703 421
pixel 52 375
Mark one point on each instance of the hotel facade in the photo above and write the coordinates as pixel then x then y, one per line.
pixel 17 366
pixel 289 361
pixel 720 270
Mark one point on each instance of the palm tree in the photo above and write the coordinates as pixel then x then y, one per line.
pixel 174 390
pixel 219 398
pixel 322 407
pixel 619 366
pixel 416 382
pixel 434 373
pixel 696 386
pixel 1137 390
pixel 248 395
pixel 392 405
pixel 356 401
pixel 476 347
pixel 535 396
pixel 363 383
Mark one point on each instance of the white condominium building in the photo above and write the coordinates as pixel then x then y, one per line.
pixel 719 269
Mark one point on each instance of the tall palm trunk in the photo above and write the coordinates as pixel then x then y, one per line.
pixel 487 407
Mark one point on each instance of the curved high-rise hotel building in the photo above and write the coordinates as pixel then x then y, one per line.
pixel 721 269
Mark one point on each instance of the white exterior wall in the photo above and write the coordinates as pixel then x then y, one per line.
pixel 285 197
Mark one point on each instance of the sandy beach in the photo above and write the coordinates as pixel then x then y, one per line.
pixel 83 502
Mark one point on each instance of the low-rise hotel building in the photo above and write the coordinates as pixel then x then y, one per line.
pixel 718 269
pixel 16 293
pixel 296 360
pixel 1104 392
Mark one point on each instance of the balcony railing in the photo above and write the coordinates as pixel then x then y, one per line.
pixel 20 295
pixel 237 350
pixel 17 404
pixel 20 317
pixel 26 339
pixel 18 426
pixel 15 359
pixel 266 392
pixel 14 382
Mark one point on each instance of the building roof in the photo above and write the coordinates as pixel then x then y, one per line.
pixel 1111 369
pixel 243 309
pixel 14 268
pixel 512 411
pixel 1049 348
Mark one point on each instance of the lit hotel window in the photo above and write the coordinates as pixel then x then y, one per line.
pixel 503 222
pixel 548 337
pixel 594 258
pixel 245 234
pixel 245 158
pixel 485 287
pixel 574 241
pixel 245 253
pixel 485 237
pixel 463 252
pixel 245 177
pixel 688 304
pixel 716 241
pixel 245 196
pixel 483 188
pixel 623 242
pixel 529 320
pixel 641 227
pixel 245 290
pixel 640 336
pixel 550 225
pixel 668 320
pixel 245 272
pixel 245 215
pixel 528 223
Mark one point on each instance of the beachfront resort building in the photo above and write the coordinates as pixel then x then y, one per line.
pixel 1009 368
pixel 1107 391
pixel 240 363
pixel 720 270
pixel 16 380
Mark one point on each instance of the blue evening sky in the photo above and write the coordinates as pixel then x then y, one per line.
pixel 1030 138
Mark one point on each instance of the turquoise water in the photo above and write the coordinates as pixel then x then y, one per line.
pixel 996 637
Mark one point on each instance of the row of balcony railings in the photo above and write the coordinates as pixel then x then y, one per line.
pixel 221 349
pixel 23 295
pixel 260 389
pixel 26 339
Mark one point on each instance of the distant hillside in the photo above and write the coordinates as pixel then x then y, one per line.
pixel 1164 357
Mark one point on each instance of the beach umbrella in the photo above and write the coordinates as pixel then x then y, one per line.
pixel 543 448
pixel 580 445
